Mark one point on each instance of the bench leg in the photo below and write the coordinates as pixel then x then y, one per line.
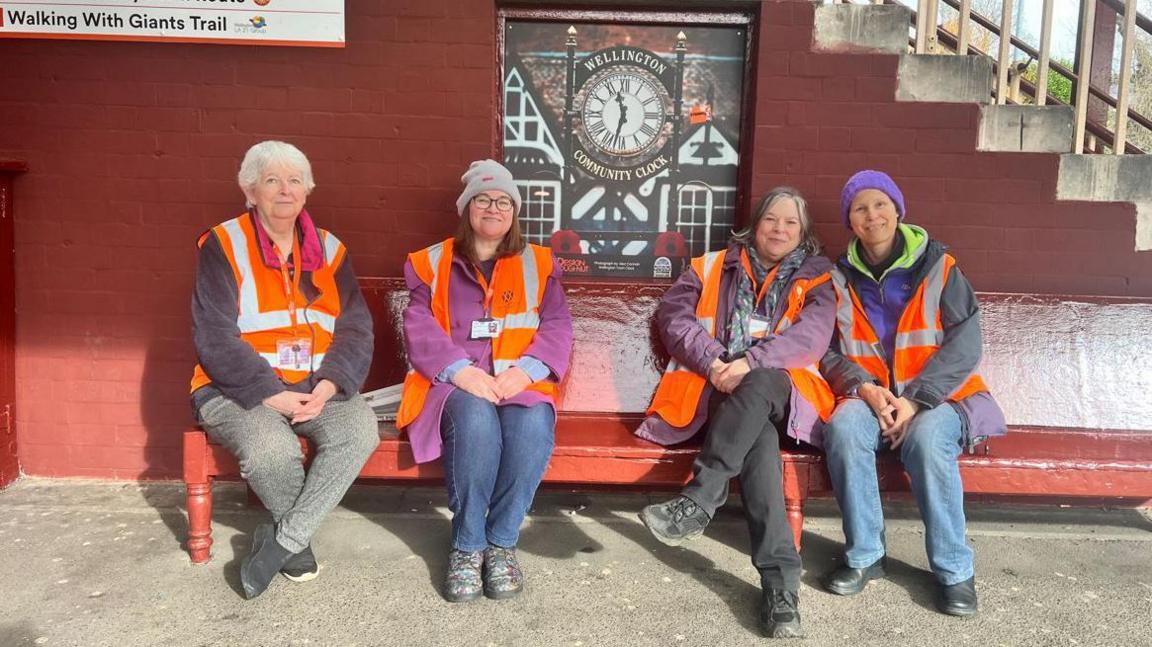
pixel 200 521
pixel 795 508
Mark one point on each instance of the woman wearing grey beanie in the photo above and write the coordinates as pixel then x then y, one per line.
pixel 488 335
pixel 903 363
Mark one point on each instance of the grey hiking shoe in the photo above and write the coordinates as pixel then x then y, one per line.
pixel 675 522
pixel 502 576
pixel 780 614
pixel 462 582
pixel 301 567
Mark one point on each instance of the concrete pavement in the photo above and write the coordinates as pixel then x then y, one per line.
pixel 100 563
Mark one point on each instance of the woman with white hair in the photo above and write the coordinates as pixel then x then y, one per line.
pixel 284 342
pixel 745 327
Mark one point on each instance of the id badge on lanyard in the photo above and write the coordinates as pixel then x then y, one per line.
pixel 758 326
pixel 486 327
pixel 294 354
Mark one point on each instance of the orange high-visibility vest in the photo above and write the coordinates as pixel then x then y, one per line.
pixel 266 312
pixel 680 389
pixel 918 334
pixel 517 288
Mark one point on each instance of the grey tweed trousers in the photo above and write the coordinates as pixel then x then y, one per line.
pixel 265 444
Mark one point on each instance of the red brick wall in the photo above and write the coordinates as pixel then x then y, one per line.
pixel 133 149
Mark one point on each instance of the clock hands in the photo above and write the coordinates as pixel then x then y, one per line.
pixel 623 113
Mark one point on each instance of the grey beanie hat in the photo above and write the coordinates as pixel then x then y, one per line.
pixel 486 175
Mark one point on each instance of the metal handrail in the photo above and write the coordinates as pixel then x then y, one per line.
pixel 1142 21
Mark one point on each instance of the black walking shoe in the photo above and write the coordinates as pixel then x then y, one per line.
pixel 503 578
pixel 265 560
pixel 675 522
pixel 850 581
pixel 780 614
pixel 301 567
pixel 957 599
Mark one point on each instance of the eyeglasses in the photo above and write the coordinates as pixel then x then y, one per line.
pixel 483 202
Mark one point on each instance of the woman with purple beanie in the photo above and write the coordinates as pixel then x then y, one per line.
pixel 903 366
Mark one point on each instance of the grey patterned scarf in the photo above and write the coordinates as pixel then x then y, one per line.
pixel 738 337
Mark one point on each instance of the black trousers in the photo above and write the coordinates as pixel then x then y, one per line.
pixel 743 440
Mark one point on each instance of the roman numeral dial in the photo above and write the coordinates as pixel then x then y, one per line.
pixel 624 112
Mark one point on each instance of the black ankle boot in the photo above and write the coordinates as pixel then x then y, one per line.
pixel 264 562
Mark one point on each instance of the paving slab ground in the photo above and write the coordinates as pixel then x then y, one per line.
pixel 100 563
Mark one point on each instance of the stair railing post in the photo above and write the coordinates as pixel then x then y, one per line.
pixel 921 26
pixel 963 27
pixel 1125 76
pixel 1083 73
pixel 1045 53
pixel 1003 60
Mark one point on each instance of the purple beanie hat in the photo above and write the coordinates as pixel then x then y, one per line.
pixel 878 180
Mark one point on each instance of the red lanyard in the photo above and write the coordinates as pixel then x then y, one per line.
pixel 767 279
pixel 486 287
pixel 293 285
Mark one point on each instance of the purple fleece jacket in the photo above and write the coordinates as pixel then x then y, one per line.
pixel 430 350
pixel 801 344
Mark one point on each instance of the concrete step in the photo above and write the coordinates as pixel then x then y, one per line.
pixel 862 28
pixel 1111 178
pixel 1026 129
pixel 944 78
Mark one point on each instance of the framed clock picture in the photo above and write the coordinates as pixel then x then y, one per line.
pixel 623 132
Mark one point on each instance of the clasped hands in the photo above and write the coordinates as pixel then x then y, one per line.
pixel 493 389
pixel 726 376
pixel 893 413
pixel 302 407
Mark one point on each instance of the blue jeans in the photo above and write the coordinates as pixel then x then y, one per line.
pixel 929 453
pixel 494 458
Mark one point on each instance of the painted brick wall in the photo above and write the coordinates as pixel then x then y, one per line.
pixel 133 149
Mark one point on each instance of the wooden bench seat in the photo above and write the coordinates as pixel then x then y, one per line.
pixel 1041 352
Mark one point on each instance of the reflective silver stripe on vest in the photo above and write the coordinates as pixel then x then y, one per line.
pixel 933 290
pixel 708 323
pixel 434 254
pixel 322 319
pixel 249 318
pixel 845 318
pixel 501 365
pixel 332 246
pixel 530 318
pixel 710 265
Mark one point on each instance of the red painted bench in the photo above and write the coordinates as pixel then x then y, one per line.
pixel 1040 359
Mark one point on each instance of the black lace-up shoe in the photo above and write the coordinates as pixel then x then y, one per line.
pixel 301 567
pixel 675 522
pixel 780 614
pixel 262 564
pixel 957 599
pixel 850 581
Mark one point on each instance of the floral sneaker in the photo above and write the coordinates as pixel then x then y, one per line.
pixel 463 582
pixel 502 576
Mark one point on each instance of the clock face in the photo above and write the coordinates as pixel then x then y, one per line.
pixel 623 112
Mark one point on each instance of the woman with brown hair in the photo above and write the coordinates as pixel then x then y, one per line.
pixel 488 336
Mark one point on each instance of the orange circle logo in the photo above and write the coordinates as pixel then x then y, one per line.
pixel 261 2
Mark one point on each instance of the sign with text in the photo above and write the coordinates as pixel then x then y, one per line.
pixel 304 23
